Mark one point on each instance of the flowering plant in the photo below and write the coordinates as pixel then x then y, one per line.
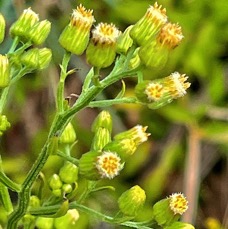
pixel 147 44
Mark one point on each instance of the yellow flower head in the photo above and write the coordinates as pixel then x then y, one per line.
pixel 82 17
pixel 156 14
pixel 176 84
pixel 109 165
pixel 105 34
pixel 178 203
pixel 154 91
pixel 170 35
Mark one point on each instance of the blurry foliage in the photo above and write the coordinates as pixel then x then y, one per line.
pixel 202 56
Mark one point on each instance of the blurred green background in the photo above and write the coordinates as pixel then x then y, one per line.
pixel 187 149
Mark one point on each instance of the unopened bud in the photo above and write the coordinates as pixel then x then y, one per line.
pixel 2 28
pixel 104 119
pixel 101 138
pixel 68 220
pixel 131 201
pixel 24 23
pixel 44 223
pixel 67 188
pixel 124 41
pixel 4 71
pixel 68 173
pixel 68 136
pixel 30 58
pixel 39 32
pixel 180 225
pixel 45 56
pixel 55 182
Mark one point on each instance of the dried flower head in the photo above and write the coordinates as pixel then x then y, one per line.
pixel 105 34
pixel 170 35
pixel 176 84
pixel 109 165
pixel 178 203
pixel 81 17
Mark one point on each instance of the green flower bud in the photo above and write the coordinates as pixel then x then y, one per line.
pixel 34 201
pixel 169 210
pixel 67 188
pixel 2 28
pixel 30 58
pixel 101 50
pixel 137 134
pixel 155 53
pixel 101 138
pixel 180 225
pixel 44 223
pixel 104 119
pixel 131 201
pixel 147 27
pixel 135 60
pixel 124 41
pixel 57 192
pixel 39 32
pixel 45 56
pixel 4 124
pixel 68 173
pixel 4 71
pixel 68 220
pixel 75 36
pixel 68 136
pixel 23 25
pixel 55 182
pixel 123 147
pixel 97 165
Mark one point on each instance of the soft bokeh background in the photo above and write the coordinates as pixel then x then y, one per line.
pixel 187 149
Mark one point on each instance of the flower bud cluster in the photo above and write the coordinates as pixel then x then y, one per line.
pixel 66 181
pixel 29 29
pixel 75 38
pixel 107 157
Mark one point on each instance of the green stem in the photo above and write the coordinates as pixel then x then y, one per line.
pixel 109 102
pixel 63 75
pixel 14 45
pixel 5 197
pixel 9 183
pixel 4 193
pixel 74 205
pixel 96 76
pixel 67 157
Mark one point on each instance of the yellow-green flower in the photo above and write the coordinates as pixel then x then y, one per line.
pixel 75 36
pixel 101 50
pixel 148 26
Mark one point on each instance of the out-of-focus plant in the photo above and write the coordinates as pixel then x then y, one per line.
pixel 145 45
